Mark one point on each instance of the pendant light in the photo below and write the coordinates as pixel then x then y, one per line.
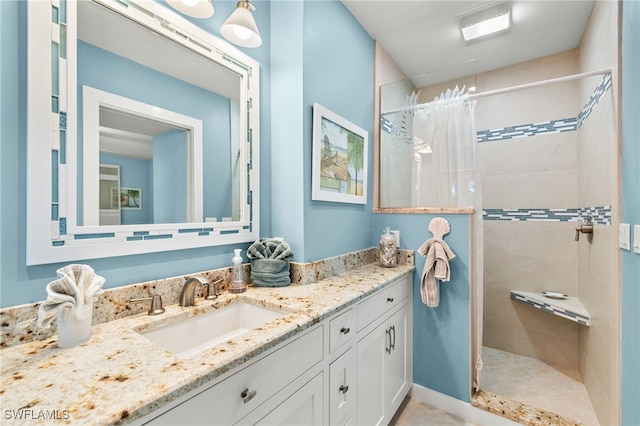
pixel 240 28
pixel 195 8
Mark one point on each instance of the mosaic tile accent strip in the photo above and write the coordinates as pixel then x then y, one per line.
pixel 534 129
pixel 526 130
pixel 602 88
pixel 144 235
pixel 601 215
pixel 386 125
pixel 559 309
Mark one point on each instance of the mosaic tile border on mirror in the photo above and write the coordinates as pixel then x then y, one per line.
pixel 18 324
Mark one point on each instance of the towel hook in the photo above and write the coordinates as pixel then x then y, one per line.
pixel 439 227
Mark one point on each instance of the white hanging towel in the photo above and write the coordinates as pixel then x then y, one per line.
pixel 436 266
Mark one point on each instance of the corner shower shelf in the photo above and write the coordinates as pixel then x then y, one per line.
pixel 569 308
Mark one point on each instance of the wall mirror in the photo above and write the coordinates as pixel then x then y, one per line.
pixel 143 133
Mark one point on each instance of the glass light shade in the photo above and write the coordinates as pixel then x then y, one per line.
pixel 241 28
pixel 194 8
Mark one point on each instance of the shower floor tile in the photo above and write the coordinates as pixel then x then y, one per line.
pixel 535 383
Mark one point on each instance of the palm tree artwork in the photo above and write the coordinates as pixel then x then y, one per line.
pixel 342 159
pixel 355 155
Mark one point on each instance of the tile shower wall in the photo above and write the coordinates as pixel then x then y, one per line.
pixel 529 176
pixel 523 177
pixel 535 189
pixel 598 169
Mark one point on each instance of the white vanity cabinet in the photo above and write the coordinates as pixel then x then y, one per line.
pixel 259 385
pixel 354 368
pixel 384 353
pixel 302 406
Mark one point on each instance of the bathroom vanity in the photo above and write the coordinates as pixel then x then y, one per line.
pixel 340 352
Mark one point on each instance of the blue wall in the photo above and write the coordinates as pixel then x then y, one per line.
pixel 170 177
pixel 287 171
pixel 441 359
pixel 319 54
pixel 630 211
pixel 342 81
pixel 134 173
pixel 103 70
pixel 20 284
pixel 338 74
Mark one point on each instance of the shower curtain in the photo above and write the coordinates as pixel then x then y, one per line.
pixel 444 174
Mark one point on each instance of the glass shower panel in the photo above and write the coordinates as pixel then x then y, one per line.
pixel 395 156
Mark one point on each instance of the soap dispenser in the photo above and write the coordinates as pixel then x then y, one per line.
pixel 237 284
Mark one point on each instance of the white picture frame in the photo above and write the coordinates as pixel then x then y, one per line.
pixel 340 159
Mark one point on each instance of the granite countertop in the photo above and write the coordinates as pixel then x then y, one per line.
pixel 119 375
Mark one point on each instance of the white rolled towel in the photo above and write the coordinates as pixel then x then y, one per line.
pixel 77 285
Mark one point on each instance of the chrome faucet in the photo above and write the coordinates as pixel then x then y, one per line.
pixel 187 296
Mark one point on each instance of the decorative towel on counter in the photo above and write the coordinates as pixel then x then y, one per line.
pixel 269 248
pixel 270 262
pixel 77 285
pixel 436 266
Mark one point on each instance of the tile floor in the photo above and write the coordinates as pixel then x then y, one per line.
pixel 414 413
pixel 535 383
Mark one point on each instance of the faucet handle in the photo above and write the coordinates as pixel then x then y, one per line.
pixel 156 304
pixel 211 289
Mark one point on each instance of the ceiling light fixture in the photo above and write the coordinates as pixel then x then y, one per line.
pixel 195 8
pixel 240 28
pixel 488 19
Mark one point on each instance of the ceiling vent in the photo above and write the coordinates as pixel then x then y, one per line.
pixel 486 20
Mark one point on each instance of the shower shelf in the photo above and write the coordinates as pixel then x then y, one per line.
pixel 569 308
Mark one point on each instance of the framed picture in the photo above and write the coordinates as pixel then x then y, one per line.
pixel 130 198
pixel 114 199
pixel 339 156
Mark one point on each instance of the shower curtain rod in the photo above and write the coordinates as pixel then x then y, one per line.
pixel 512 88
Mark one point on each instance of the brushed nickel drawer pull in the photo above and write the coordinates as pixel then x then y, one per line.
pixel 248 396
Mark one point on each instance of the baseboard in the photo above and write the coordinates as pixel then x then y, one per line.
pixel 458 408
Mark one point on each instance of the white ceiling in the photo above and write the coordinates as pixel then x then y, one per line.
pixel 424 39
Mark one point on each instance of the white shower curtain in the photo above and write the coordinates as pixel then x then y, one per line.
pixel 445 175
pixel 444 152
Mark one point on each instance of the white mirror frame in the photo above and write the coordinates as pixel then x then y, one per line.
pixel 92 100
pixel 52 231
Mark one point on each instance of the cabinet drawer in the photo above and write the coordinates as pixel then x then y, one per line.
pixel 341 329
pixel 230 400
pixel 375 306
pixel 342 392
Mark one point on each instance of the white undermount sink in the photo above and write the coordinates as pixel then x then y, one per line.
pixel 193 335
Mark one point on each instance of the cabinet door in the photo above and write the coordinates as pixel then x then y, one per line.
pixel 342 389
pixel 302 408
pixel 371 354
pixel 396 370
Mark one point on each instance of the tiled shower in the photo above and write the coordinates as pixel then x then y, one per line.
pixel 548 159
